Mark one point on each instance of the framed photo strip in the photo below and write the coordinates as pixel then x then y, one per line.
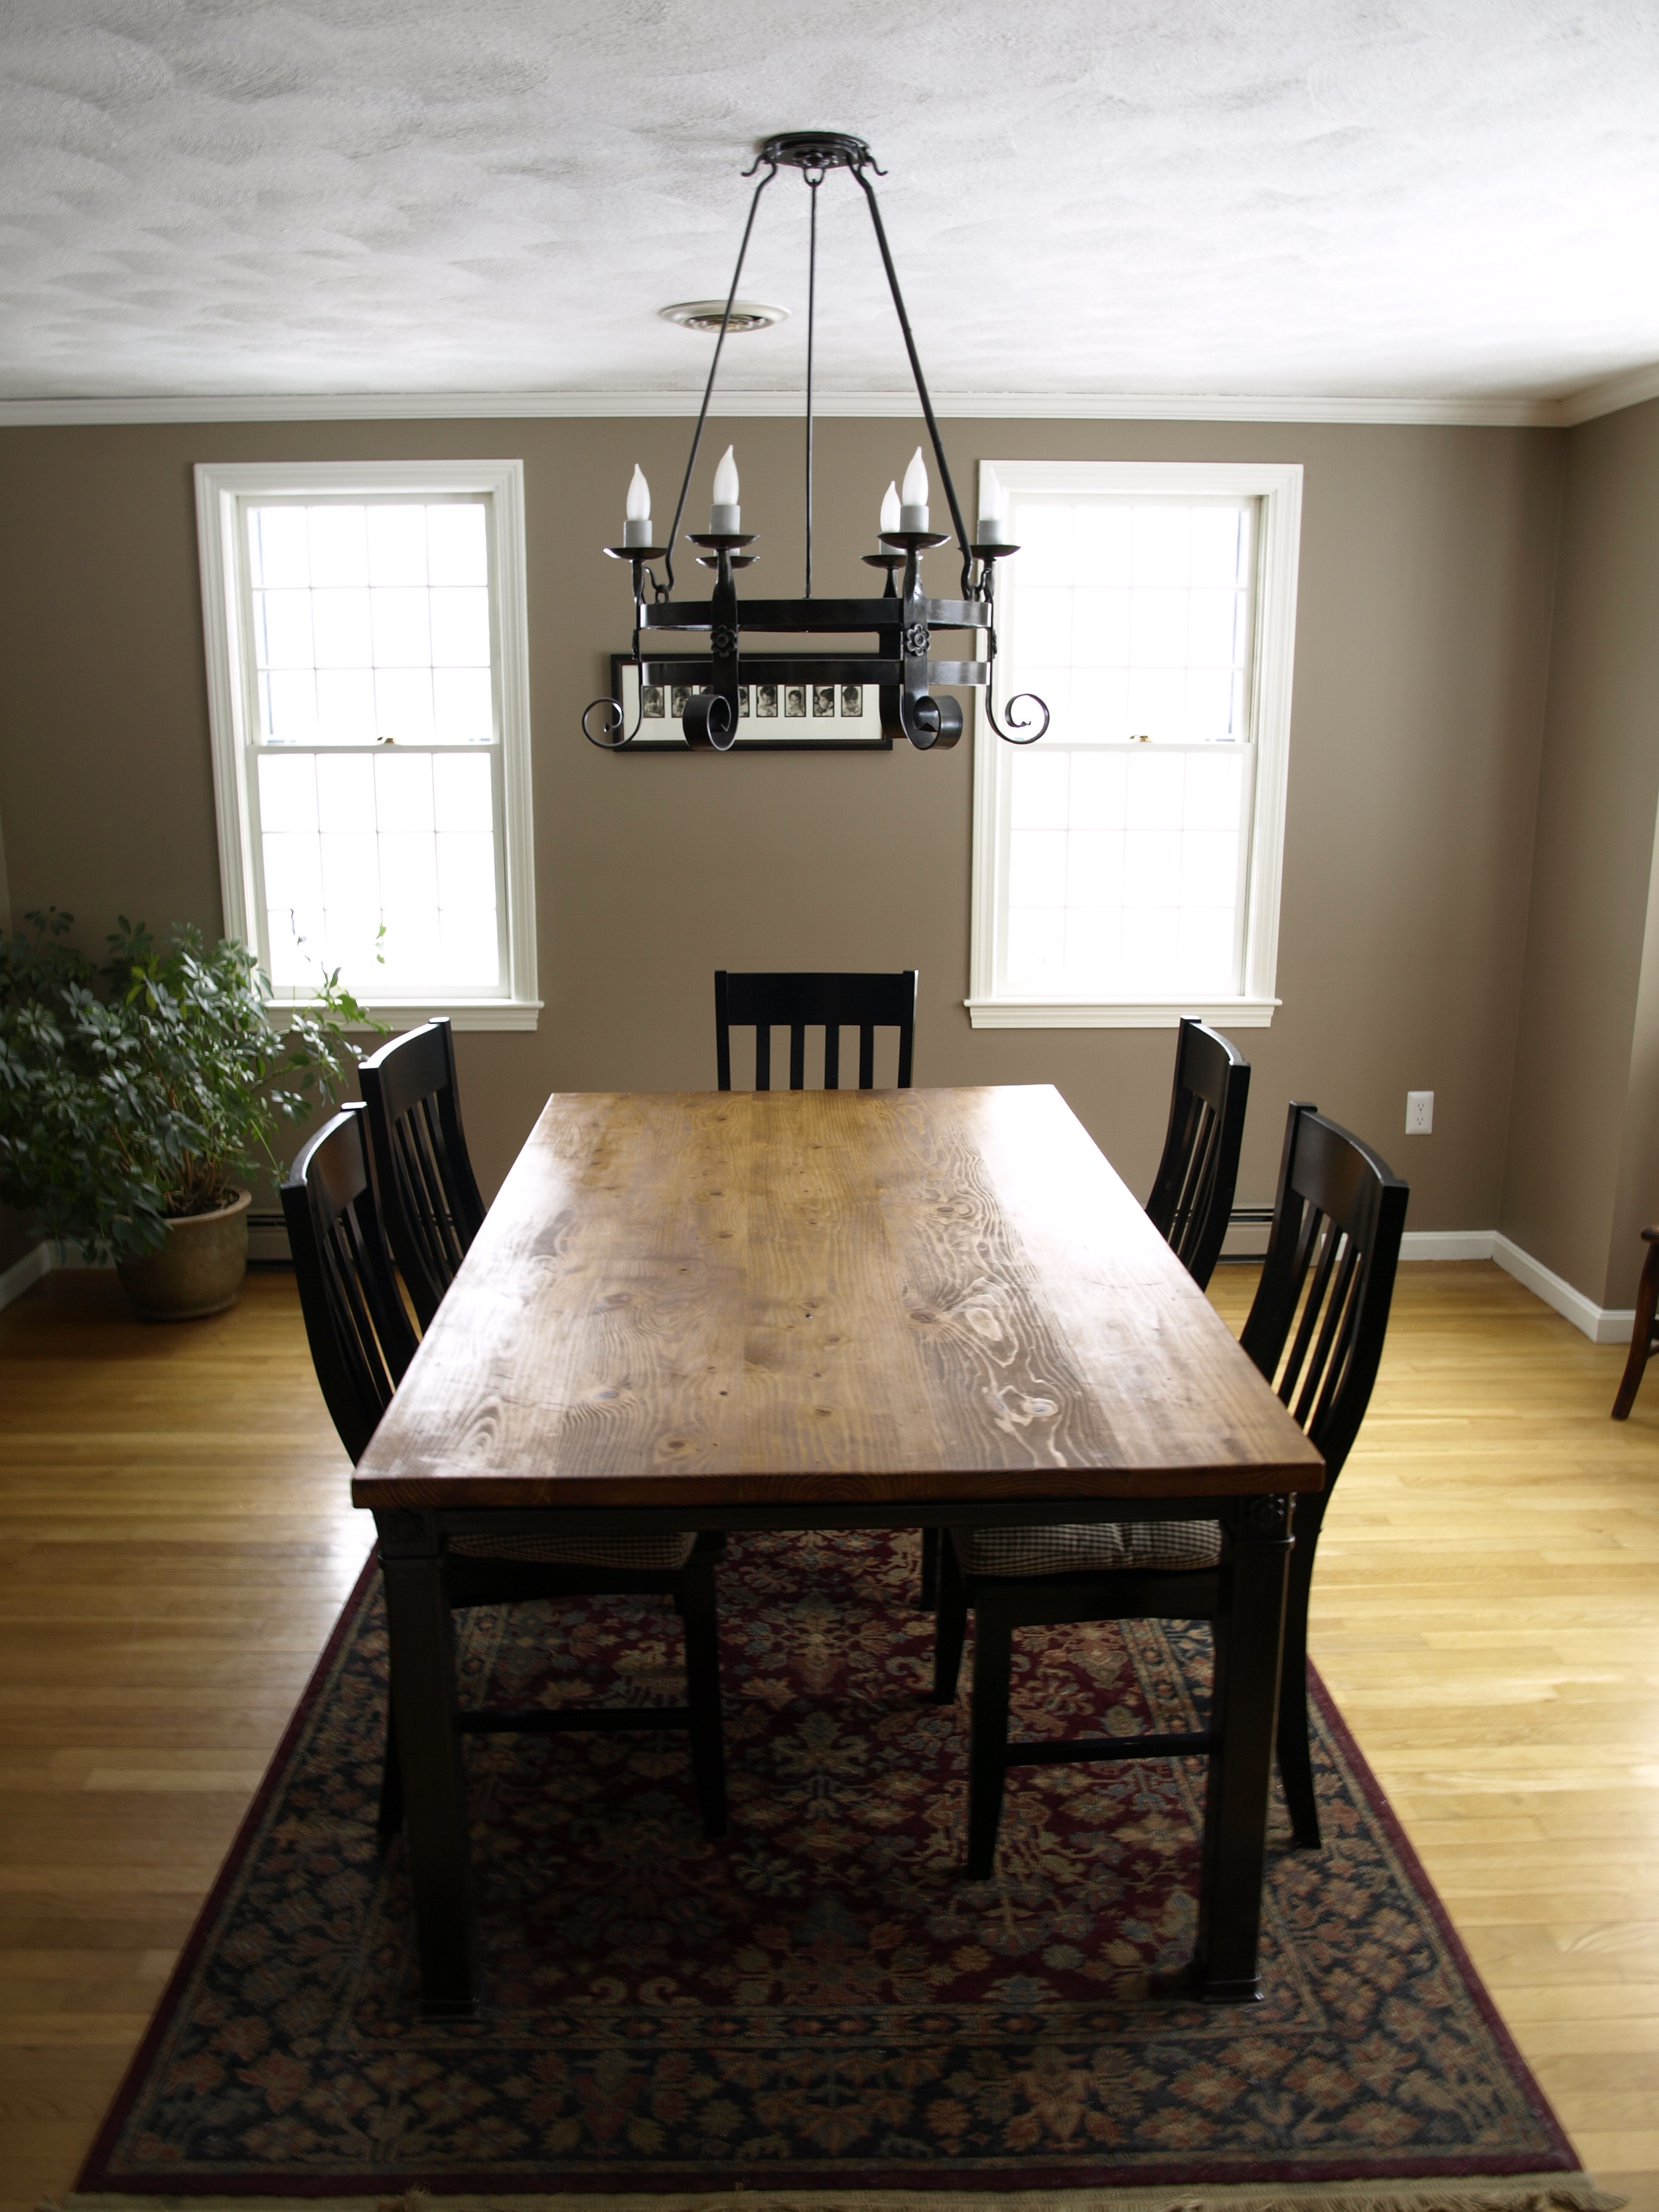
pixel 773 716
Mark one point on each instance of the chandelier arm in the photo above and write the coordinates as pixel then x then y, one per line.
pixel 1017 721
pixel 713 365
pixel 868 190
pixel 813 182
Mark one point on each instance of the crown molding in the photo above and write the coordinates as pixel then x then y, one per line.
pixel 1629 390
pixel 993 406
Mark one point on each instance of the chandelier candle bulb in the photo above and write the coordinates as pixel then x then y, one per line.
pixel 889 510
pixel 725 517
pixel 913 512
pixel 636 528
pixel 993 505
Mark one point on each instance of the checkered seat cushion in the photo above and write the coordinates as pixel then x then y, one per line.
pixel 670 1551
pixel 1099 1546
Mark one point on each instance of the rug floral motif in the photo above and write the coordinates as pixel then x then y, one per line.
pixel 822 1999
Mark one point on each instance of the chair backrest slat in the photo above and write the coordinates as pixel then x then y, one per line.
pixel 427 1193
pixel 1317 1323
pixel 804 1000
pixel 1192 1194
pixel 359 1331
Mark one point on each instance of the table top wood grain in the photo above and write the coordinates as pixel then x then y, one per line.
pixel 794 1297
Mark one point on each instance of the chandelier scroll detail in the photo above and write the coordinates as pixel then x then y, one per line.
pixel 899 658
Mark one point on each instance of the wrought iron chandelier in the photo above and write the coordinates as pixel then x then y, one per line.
pixel 904 618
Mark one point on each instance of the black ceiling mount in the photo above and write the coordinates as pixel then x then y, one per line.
pixel 902 665
pixel 816 149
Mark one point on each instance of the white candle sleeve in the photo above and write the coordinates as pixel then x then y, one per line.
pixel 636 529
pixel 725 516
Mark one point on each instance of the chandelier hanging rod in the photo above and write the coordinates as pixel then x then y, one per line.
pixel 708 388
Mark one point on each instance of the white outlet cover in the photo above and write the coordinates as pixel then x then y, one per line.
pixel 1419 1113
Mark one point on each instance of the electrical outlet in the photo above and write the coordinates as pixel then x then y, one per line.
pixel 1419 1113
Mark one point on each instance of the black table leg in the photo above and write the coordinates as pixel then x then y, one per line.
pixel 1249 1632
pixel 421 1640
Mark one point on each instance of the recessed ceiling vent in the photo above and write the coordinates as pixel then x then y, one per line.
pixel 707 315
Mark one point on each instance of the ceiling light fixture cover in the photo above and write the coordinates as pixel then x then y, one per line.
pixel 903 619
pixel 734 316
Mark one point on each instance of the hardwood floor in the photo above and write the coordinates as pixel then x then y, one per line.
pixel 177 1541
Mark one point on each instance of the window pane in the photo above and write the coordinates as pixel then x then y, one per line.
pixel 461 793
pixel 466 871
pixel 371 626
pixel 460 628
pixel 282 621
pixel 339 544
pixel 345 706
pixel 396 545
pixel 403 704
pixel 402 631
pixel 463 707
pixel 468 954
pixel 345 793
pixel 279 545
pixel 287 791
pixel 402 793
pixel 456 551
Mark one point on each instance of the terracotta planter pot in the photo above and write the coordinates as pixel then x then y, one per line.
pixel 198 1270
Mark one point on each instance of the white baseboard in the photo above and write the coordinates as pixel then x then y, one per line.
pixel 1247 1240
pixel 17 1279
pixel 1601 1324
pixel 267 1240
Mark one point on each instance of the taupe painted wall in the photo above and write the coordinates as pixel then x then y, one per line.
pixel 1427 558
pixel 1584 1164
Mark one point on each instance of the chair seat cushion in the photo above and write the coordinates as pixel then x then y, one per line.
pixel 1106 1546
pixel 670 1551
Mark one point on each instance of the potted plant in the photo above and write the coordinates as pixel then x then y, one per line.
pixel 139 1095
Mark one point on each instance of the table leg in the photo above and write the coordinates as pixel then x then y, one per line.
pixel 1249 1634
pixel 421 1638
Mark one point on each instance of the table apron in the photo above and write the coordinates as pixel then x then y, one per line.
pixel 415 1525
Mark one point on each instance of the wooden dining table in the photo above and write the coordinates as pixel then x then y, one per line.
pixel 827 1309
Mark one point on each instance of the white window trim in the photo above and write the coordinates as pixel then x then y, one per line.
pixel 1278 485
pixel 218 487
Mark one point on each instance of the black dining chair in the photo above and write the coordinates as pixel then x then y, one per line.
pixel 803 1001
pixel 427 1191
pixel 361 1342
pixel 1315 1330
pixel 1192 1198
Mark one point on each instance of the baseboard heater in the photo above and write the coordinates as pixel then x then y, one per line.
pixel 267 1240
pixel 1247 1233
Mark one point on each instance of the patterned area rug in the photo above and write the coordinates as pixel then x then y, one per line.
pixel 822 2001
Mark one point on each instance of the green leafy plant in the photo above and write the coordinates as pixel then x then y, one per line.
pixel 141 1088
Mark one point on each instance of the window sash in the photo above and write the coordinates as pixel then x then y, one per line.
pixel 1000 999
pixel 225 496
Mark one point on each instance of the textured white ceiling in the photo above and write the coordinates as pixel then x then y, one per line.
pixel 241 197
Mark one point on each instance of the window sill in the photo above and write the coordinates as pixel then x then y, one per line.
pixel 1116 1014
pixel 474 1014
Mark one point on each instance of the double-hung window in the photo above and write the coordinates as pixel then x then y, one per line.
pixel 1126 865
pixel 368 689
